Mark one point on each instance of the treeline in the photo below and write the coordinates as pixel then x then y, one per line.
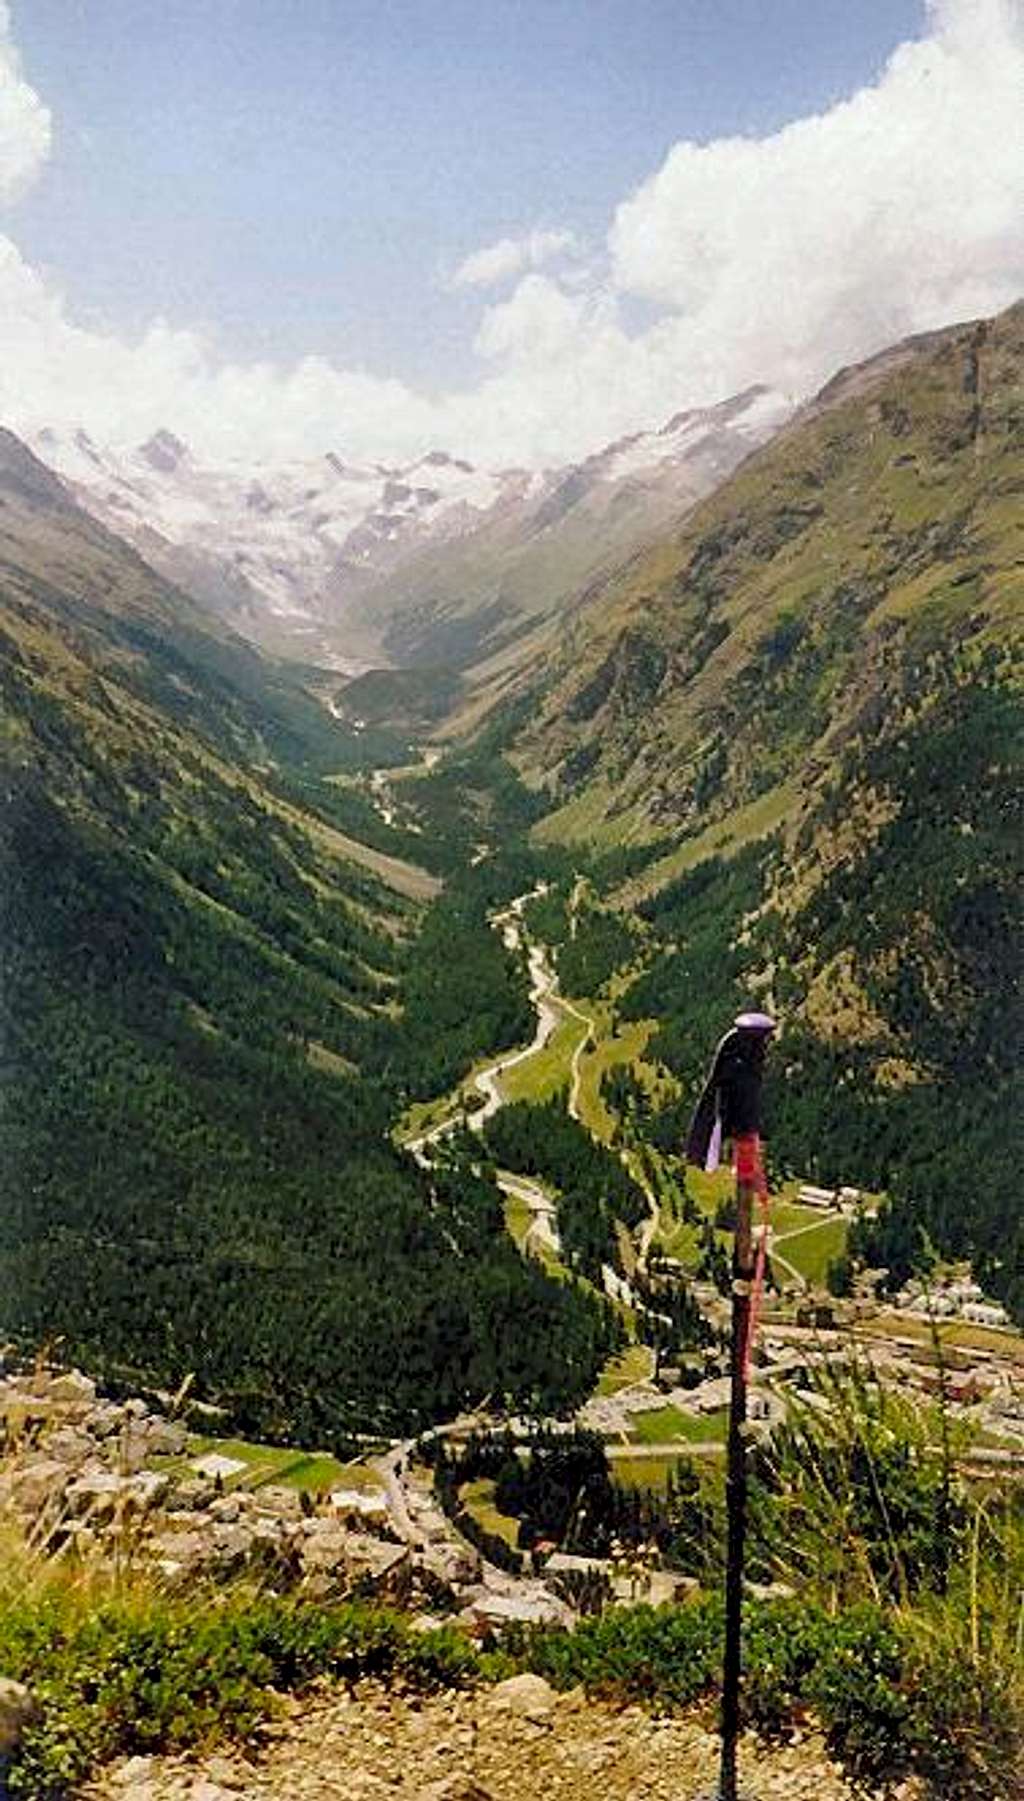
pixel 594 1189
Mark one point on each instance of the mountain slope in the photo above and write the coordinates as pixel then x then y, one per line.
pixel 791 611
pixel 198 998
pixel 262 545
pixel 487 600
pixel 809 706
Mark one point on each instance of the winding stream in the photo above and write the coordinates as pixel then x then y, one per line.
pixel 550 1008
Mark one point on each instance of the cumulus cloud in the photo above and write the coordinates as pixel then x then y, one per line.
pixel 24 120
pixel 774 258
pixel 509 256
pixel 899 209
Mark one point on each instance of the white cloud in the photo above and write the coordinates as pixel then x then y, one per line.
pixel 510 256
pixel 898 209
pixel 24 120
pixel 772 259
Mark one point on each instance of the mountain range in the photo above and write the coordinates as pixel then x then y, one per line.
pixel 433 562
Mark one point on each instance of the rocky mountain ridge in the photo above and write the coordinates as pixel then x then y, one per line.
pixel 317 557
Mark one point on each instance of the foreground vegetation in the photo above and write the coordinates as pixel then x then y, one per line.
pixel 133 1672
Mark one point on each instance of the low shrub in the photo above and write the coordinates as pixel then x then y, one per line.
pixel 145 1673
pixel 893 1701
pixel 139 1672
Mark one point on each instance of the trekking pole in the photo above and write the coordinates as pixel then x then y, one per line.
pixel 730 1107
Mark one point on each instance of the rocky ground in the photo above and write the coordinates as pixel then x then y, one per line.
pixel 513 1742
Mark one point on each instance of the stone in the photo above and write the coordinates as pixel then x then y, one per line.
pixel 326 1548
pixel 189 1494
pixel 71 1386
pixel 286 1502
pixel 104 1419
pixel 231 1545
pixel 71 1446
pixel 224 1771
pixel 180 1552
pixel 38 1483
pixel 105 1494
pixel 137 1769
pixel 166 1438
pixel 454 1788
pixel 527 1695
pixel 225 1508
pixel 17 1709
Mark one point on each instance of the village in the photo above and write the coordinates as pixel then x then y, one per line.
pixel 132 1481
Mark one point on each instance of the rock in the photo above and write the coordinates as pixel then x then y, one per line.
pixel 137 1769
pixel 224 1771
pixel 326 1548
pixel 71 1386
pixel 166 1438
pixel 231 1545
pixel 286 1501
pixel 225 1508
pixel 528 1696
pixel 190 1494
pixel 180 1552
pixel 17 1709
pixel 71 1445
pixel 104 1494
pixel 147 1437
pixel 104 1419
pixel 38 1483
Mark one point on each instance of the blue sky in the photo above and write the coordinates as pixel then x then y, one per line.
pixel 514 227
pixel 297 175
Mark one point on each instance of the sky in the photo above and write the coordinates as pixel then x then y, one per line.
pixel 514 229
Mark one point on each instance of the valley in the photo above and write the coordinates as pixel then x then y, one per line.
pixel 352 1024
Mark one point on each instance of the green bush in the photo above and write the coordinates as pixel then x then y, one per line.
pixel 665 1656
pixel 140 1673
pixel 893 1701
pixel 156 1675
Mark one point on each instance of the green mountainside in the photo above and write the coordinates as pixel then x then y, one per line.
pixel 213 1004
pixel 794 611
pixel 807 706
